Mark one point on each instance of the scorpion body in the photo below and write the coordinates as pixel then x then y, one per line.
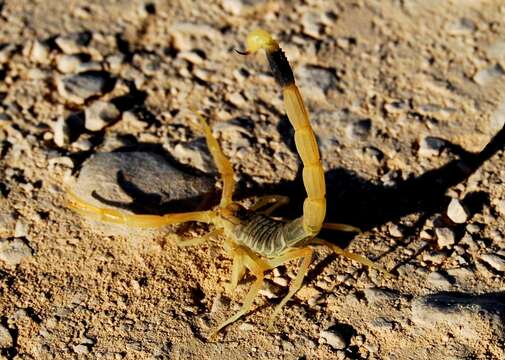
pixel 254 240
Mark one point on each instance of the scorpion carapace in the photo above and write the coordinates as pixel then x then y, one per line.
pixel 254 240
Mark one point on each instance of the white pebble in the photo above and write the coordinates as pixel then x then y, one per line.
pixel 496 50
pixel 395 231
pixel 39 52
pixel 494 261
pixel 13 252
pixel 6 53
pixel 5 337
pixel 488 74
pixel 77 88
pixel 445 237
pixel 500 206
pixel 333 338
pixel 99 115
pixel 68 63
pixel 457 212
pixel 61 132
pixel 431 146
pixel 73 43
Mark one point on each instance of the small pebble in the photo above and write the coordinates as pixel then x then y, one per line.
pixel 457 212
pixel 89 66
pixel 61 132
pixel 7 223
pixel 474 228
pixel 496 50
pixel 5 337
pixel 431 146
pixel 463 26
pixel 495 261
pixel 73 43
pixel 132 119
pixel 485 76
pixel 80 87
pixel 281 281
pixel 12 252
pixel 39 52
pixel 497 118
pixel 115 62
pixel 234 7
pixel 68 63
pixel 195 154
pixel 445 237
pixel 81 349
pixel 100 114
pixel 439 280
pixel 319 79
pixel 395 231
pixel 333 338
pixel 6 52
pixel 500 206
pixel 359 129
pixel 311 22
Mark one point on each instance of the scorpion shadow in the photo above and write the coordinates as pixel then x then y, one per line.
pixel 354 200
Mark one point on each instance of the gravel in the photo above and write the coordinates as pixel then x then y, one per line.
pixel 333 338
pixel 495 261
pixel 13 252
pixel 445 237
pixel 80 87
pixel 100 114
pixel 457 212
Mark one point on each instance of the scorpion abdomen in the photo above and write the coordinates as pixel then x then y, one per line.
pixel 267 236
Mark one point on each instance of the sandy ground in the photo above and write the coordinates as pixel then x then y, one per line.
pixel 407 101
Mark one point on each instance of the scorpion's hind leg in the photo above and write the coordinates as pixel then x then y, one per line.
pixel 276 201
pixel 306 254
pixel 138 220
pixel 257 267
pixel 355 257
pixel 341 227
pixel 222 162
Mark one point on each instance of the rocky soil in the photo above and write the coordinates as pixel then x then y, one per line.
pixel 407 101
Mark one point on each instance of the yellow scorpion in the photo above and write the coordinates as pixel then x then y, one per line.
pixel 253 239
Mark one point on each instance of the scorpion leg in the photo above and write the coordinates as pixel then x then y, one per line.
pixel 237 272
pixel 358 258
pixel 222 163
pixel 257 267
pixel 197 241
pixel 276 201
pixel 306 253
pixel 147 221
pixel 341 227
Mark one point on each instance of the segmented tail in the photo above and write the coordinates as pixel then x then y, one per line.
pixel 314 207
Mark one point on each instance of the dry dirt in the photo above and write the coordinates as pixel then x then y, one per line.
pixel 407 100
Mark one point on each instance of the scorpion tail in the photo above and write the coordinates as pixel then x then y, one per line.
pixel 314 207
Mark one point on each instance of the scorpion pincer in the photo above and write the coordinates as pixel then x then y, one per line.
pixel 255 241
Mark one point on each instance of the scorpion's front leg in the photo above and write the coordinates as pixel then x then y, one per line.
pixel 306 253
pixel 257 267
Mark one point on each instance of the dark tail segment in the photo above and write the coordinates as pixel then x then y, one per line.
pixel 280 67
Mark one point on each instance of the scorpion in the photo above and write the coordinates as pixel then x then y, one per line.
pixel 252 238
